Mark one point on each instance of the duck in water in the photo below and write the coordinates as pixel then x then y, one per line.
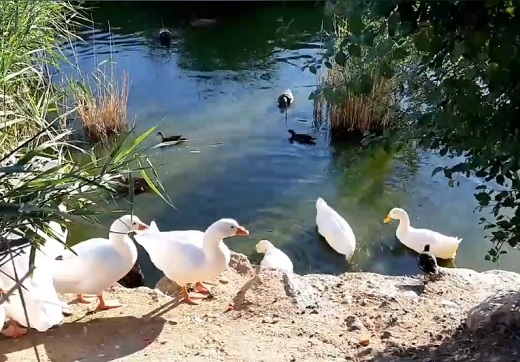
pixel 165 37
pixel 285 100
pixel 427 262
pixel 134 278
pixel 170 138
pixel 301 138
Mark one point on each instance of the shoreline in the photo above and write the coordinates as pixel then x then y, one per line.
pixel 275 316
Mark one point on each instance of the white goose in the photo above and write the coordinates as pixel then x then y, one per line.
pixel 274 257
pixel 44 309
pixel 99 263
pixel 442 246
pixel 2 306
pixel 191 256
pixel 335 229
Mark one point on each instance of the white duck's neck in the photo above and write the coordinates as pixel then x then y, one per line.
pixel 211 246
pixel 404 223
pixel 123 244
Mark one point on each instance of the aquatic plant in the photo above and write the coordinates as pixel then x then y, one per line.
pixel 348 110
pixel 101 103
pixel 39 167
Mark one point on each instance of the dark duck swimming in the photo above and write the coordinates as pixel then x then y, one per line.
pixel 285 99
pixel 301 138
pixel 165 37
pixel 134 278
pixel 170 138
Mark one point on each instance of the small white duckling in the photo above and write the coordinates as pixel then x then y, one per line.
pixel 274 257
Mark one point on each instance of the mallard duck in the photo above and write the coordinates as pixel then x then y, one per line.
pixel 98 263
pixel 427 262
pixel 191 256
pixel 134 278
pixel 170 138
pixel 442 246
pixel 335 229
pixel 274 257
pixel 123 188
pixel 285 99
pixel 301 138
pixel 165 37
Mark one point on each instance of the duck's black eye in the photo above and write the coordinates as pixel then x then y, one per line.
pixel 134 223
pixel 232 226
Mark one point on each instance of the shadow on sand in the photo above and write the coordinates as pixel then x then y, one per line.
pixel 102 339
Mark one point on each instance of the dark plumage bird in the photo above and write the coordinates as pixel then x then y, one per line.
pixel 134 278
pixel 170 138
pixel 301 138
pixel 285 99
pixel 427 262
pixel 123 186
pixel 165 37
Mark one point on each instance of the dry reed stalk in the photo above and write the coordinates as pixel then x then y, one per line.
pixel 104 114
pixel 358 113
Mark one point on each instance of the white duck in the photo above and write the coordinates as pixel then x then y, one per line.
pixel 99 263
pixel 200 286
pixel 274 257
pixel 191 256
pixel 2 306
pixel 442 246
pixel 335 229
pixel 44 309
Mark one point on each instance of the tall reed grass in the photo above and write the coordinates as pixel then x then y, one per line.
pixel 102 106
pixel 350 112
pixel 38 172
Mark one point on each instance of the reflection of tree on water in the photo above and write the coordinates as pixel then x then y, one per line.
pixel 248 39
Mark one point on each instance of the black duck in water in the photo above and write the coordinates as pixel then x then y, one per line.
pixel 165 37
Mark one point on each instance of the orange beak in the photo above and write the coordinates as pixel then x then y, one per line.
pixel 242 231
pixel 142 227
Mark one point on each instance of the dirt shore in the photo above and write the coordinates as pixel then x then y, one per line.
pixel 266 315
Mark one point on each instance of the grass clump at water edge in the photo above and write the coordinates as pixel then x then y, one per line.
pixel 345 111
pixel 101 102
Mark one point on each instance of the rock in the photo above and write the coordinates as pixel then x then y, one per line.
pixel 354 324
pixel 386 335
pixel 168 286
pixel 241 264
pixel 364 340
pixel 499 312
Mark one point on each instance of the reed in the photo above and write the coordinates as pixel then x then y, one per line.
pixel 38 172
pixel 350 112
pixel 102 106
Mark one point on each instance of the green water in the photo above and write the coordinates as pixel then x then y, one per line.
pixel 218 84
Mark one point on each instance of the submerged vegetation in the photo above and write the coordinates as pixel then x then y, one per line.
pixel 456 67
pixel 38 171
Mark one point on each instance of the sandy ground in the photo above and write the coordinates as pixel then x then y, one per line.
pixel 352 317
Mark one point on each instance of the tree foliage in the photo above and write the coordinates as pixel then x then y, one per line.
pixel 459 74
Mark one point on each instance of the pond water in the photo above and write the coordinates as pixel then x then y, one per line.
pixel 217 85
